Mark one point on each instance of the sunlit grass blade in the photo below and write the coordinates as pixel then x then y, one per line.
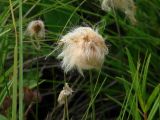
pixel 154 108
pixel 145 72
pixel 152 98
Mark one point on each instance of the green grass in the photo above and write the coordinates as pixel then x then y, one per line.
pixel 127 85
pixel 15 64
pixel 21 94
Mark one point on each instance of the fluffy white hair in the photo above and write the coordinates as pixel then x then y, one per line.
pixel 126 6
pixel 36 29
pixel 83 48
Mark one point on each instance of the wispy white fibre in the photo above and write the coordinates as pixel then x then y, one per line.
pixel 36 29
pixel 126 6
pixel 67 91
pixel 83 48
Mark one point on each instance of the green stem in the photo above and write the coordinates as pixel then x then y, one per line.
pixel 14 96
pixel 20 62
pixel 35 43
pixel 15 67
pixel 92 101
pixel 92 95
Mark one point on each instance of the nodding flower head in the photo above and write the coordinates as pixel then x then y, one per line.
pixel 67 91
pixel 126 6
pixel 83 48
pixel 36 29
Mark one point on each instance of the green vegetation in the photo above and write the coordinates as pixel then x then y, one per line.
pixel 126 88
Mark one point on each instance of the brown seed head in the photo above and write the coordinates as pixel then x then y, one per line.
pixel 36 29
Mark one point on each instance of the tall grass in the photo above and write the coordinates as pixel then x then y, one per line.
pixel 20 61
pixel 15 69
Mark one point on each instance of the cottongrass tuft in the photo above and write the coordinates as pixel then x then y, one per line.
pixel 126 6
pixel 83 49
pixel 67 91
pixel 36 29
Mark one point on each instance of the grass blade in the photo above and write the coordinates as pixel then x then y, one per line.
pixel 20 62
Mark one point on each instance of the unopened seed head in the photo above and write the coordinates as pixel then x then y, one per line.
pixel 36 29
pixel 67 91
pixel 83 48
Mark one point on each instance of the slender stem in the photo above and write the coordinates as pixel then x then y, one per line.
pixel 91 104
pixel 20 62
pixel 15 68
pixel 115 16
pixel 14 96
pixel 72 15
pixel 37 72
pixel 92 95
pixel 65 79
pixel 65 112
pixel 66 109
pixel 35 43
pixel 92 100
pixel 94 90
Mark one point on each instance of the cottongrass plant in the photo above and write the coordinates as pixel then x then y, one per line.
pixel 83 49
pixel 36 31
pixel 126 6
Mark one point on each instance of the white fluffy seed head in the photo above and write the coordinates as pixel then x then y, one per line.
pixel 83 48
pixel 67 91
pixel 126 6
pixel 36 29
